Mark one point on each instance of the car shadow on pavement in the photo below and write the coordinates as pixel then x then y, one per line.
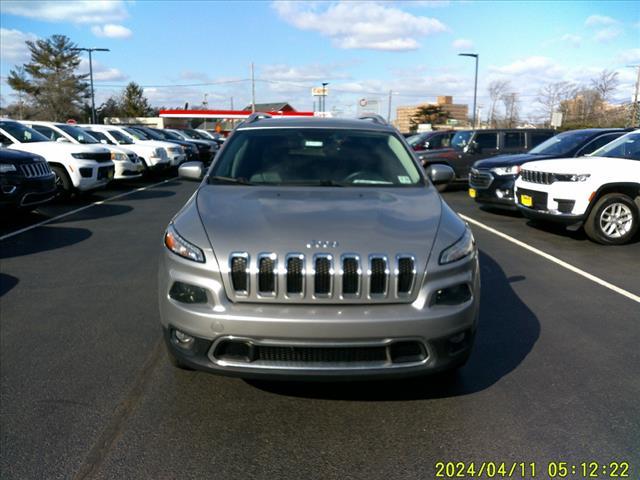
pixel 7 282
pixel 42 239
pixel 149 194
pixel 507 332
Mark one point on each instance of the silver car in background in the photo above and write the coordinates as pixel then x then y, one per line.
pixel 318 248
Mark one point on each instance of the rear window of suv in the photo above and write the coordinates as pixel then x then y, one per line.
pixel 316 157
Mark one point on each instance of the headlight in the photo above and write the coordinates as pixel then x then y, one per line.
pixel 460 249
pixel 181 247
pixel 513 170
pixel 571 177
pixel 83 156
pixel 7 167
pixel 119 156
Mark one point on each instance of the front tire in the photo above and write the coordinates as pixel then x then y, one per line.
pixel 613 220
pixel 63 182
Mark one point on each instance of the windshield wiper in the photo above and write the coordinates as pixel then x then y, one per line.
pixel 221 179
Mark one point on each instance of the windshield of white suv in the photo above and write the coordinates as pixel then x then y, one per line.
pixel 190 134
pixel 627 146
pixel 120 137
pixel 137 134
pixel 21 133
pixel 461 139
pixel 77 133
pixel 561 144
pixel 315 157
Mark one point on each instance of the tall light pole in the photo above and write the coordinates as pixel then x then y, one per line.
pixel 475 83
pixel 324 96
pixel 93 101
pixel 391 92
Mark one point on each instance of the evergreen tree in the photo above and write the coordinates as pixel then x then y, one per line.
pixel 433 114
pixel 49 82
pixel 133 103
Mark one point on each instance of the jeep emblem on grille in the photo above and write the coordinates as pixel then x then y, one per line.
pixel 322 244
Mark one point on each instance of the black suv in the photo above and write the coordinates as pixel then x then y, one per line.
pixel 491 180
pixel 468 146
pixel 25 180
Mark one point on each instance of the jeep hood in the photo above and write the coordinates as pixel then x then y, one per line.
pixel 508 160
pixel 361 220
pixel 580 165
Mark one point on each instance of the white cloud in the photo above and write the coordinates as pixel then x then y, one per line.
pixel 83 11
pixel 100 72
pixel 362 25
pixel 462 44
pixel 571 39
pixel 111 30
pixel 629 56
pixel 607 34
pixel 303 73
pixel 599 20
pixel 526 65
pixel 12 45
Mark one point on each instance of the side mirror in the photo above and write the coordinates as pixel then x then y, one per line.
pixel 440 174
pixel 62 140
pixel 191 170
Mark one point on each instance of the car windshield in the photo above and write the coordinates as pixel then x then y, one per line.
pixel 120 137
pixel 101 136
pixel 561 144
pixel 316 157
pixel 413 140
pixel 171 135
pixel 137 134
pixel 151 134
pixel 461 139
pixel 77 133
pixel 22 133
pixel 189 134
pixel 627 146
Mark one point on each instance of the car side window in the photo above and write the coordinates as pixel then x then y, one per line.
pixel 50 133
pixel 4 140
pixel 514 140
pixel 597 143
pixel 538 138
pixel 486 140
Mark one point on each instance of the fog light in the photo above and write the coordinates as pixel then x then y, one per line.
pixel 499 193
pixel 184 339
pixel 185 293
pixel 452 295
pixel 457 338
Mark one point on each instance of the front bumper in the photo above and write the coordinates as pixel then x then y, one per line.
pixel 18 191
pixel 126 170
pixel 559 202
pixel 319 326
pixel 551 216
pixel 499 192
pixel 91 176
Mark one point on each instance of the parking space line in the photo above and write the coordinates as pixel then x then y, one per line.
pixel 100 202
pixel 553 259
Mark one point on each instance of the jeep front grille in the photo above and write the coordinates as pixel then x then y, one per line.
pixel 533 176
pixel 480 178
pixel 35 169
pixel 351 276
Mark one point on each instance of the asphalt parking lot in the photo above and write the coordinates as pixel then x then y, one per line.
pixel 86 391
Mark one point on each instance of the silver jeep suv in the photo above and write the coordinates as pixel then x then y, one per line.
pixel 318 248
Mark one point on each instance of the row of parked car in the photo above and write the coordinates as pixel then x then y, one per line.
pixel 40 160
pixel 581 178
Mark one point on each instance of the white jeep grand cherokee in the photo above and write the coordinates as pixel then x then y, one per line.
pixel 600 191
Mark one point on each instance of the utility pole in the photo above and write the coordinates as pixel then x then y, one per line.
pixel 634 109
pixel 205 104
pixel 91 50
pixel 389 108
pixel 231 103
pixel 253 90
pixel 324 96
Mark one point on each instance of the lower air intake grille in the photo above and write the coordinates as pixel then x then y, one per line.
pixel 323 275
pixel 331 355
pixel 379 275
pixel 239 273
pixel 406 274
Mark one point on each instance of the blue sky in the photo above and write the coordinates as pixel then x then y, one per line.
pixel 364 49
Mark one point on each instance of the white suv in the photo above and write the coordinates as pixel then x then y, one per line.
pixel 127 165
pixel 77 167
pixel 600 191
pixel 152 156
pixel 176 153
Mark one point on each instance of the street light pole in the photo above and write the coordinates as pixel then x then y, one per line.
pixel 475 83
pixel 93 101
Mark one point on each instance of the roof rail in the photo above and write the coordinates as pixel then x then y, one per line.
pixel 375 117
pixel 254 117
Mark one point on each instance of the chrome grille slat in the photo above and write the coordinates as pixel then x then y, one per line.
pixel 267 265
pixel 295 274
pixel 35 170
pixel 351 275
pixel 543 178
pixel 239 273
pixel 323 275
pixel 378 275
pixel 405 274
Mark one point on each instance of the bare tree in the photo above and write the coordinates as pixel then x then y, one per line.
pixel 511 109
pixel 551 96
pixel 605 84
pixel 497 89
